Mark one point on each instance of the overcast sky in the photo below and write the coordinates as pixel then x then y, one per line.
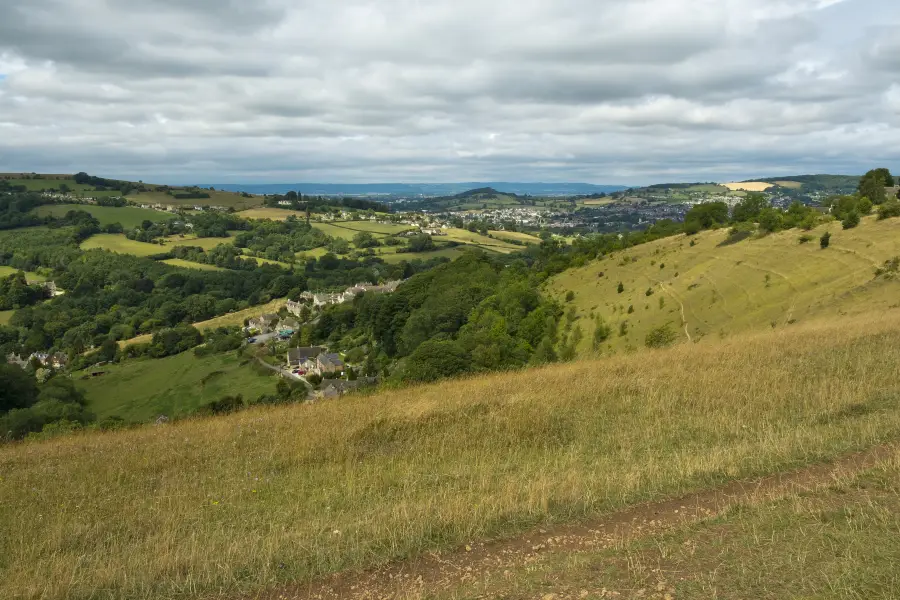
pixel 600 91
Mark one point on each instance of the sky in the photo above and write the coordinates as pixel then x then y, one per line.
pixel 599 91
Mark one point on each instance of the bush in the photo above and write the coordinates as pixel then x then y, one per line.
pixel 851 220
pixel 660 337
pixel 889 210
pixel 224 405
pixel 621 287
pixel 825 240
pixel 806 238
pixel 570 295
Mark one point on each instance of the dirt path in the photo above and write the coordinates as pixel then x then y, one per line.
pixel 680 304
pixel 415 579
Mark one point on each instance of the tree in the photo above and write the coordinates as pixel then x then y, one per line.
pixel 602 331
pixel 421 243
pixel 825 240
pixel 749 208
pixel 871 186
pixel 886 176
pixel 17 389
pixel 570 295
pixel 707 215
pixel 435 359
pixel 364 239
pixel 660 337
pixel 770 220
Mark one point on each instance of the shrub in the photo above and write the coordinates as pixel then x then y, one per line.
pixel 621 287
pixel 602 331
pixel 851 220
pixel 825 240
pixel 889 209
pixel 570 295
pixel 649 292
pixel 224 405
pixel 660 337
pixel 806 238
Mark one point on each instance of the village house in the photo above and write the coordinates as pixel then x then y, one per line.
pixel 263 323
pixel 304 357
pixel 58 360
pixel 338 387
pixel 329 364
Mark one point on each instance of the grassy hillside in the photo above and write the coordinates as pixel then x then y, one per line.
pixel 217 198
pixel 723 289
pixel 117 242
pixel 235 504
pixel 128 216
pixel 141 390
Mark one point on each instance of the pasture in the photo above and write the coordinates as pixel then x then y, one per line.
pixel 476 239
pixel 117 242
pixel 30 277
pixel 274 214
pixel 128 216
pixel 186 264
pixel 141 390
pixel 5 316
pixel 217 198
pixel 516 236
pixel 194 241
pixel 713 289
pixel 749 186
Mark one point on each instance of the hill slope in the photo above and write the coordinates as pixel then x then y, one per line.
pixel 280 495
pixel 715 290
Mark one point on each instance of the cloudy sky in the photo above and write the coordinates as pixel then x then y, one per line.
pixel 600 91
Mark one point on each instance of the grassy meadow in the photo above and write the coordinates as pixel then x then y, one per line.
pixel 237 504
pixel 476 239
pixel 30 277
pixel 128 216
pixel 516 236
pixel 5 316
pixel 117 242
pixel 217 198
pixel 769 282
pixel 275 214
pixel 193 240
pixel 53 183
pixel 141 390
pixel 187 264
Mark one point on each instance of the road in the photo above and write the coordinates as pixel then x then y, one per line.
pixel 286 373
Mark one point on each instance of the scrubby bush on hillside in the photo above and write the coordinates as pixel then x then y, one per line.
pixel 889 209
pixel 825 240
pixel 660 337
pixel 851 220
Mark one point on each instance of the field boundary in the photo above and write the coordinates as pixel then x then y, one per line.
pixel 415 578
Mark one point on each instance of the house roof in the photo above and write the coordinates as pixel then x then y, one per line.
pixel 299 354
pixel 331 359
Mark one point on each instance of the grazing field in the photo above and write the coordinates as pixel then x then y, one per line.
pixel 373 227
pixel 596 201
pixel 117 242
pixel 30 277
pixel 54 183
pixel 792 185
pixel 128 216
pixel 451 253
pixel 275 214
pixel 516 236
pixel 141 390
pixel 749 186
pixel 267 261
pixel 187 264
pixel 192 240
pixel 711 290
pixel 476 239
pixel 235 319
pixel 218 198
pixel 227 506
pixel 335 231
pixel 5 316
pixel 314 253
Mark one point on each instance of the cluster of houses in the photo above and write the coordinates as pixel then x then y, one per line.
pixel 270 323
pixel 325 299
pixel 57 360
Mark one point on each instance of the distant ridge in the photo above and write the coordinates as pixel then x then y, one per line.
pixel 417 189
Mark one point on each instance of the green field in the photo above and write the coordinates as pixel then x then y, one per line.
pixel 372 227
pixel 186 264
pixel 334 231
pixel 267 261
pixel 516 236
pixel 757 283
pixel 451 253
pixel 141 390
pixel 217 198
pixel 194 241
pixel 29 276
pixel 128 216
pixel 53 183
pixel 267 212
pixel 5 316
pixel 314 253
pixel 117 242
pixel 476 239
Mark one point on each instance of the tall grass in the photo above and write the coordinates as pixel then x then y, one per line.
pixel 273 495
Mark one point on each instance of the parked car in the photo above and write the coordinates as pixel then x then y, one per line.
pixel 251 340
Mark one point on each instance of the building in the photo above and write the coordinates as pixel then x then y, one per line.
pixel 329 363
pixel 304 357
pixel 263 323
pixel 326 299
pixel 58 360
pixel 338 387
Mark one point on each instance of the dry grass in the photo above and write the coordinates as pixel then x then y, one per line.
pixel 793 185
pixel 516 236
pixel 229 320
pixel 749 186
pixel 187 264
pixel 274 495
pixel 275 214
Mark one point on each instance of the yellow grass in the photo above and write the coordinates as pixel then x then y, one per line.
pixel 275 214
pixel 516 236
pixel 186 264
pixel 5 316
pixel 229 320
pixel 756 283
pixel 793 185
pixel 476 239
pixel 749 186
pixel 232 505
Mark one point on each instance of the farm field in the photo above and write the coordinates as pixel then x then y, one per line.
pixel 275 214
pixel 217 198
pixel 476 239
pixel 749 186
pixel 141 390
pixel 335 231
pixel 236 318
pixel 186 264
pixel 267 261
pixel 52 183
pixel 5 316
pixel 711 290
pixel 451 253
pixel 793 185
pixel 192 240
pixel 117 242
pixel 128 216
pixel 240 505
pixel 516 236
pixel 314 253
pixel 372 227
pixel 30 277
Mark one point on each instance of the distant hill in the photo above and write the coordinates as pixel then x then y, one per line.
pixel 418 189
pixel 831 184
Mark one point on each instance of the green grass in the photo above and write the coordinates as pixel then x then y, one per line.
pixel 266 261
pixel 451 253
pixel 335 231
pixel 752 284
pixel 117 242
pixel 229 506
pixel 516 236
pixel 377 229
pixel 5 316
pixel 217 198
pixel 314 253
pixel 141 390
pixel 476 239
pixel 128 216
pixel 192 240
pixel 29 276
pixel 54 183
pixel 186 264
